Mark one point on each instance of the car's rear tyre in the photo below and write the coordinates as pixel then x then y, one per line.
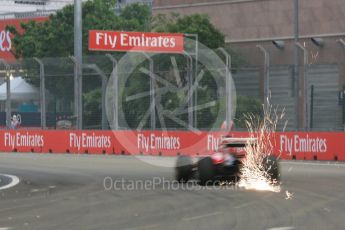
pixel 183 169
pixel 206 171
pixel 271 166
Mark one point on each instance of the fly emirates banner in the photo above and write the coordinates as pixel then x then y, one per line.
pixel 100 40
pixel 288 145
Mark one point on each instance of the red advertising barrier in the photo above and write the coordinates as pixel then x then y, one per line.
pixel 311 146
pixel 326 146
pixel 102 40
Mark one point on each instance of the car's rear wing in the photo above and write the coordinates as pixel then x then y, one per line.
pixel 238 141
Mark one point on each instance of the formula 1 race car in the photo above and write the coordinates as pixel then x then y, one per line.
pixel 224 164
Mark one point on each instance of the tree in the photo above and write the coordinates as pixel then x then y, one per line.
pixel 92 108
pixel 53 42
pixel 54 38
pixel 247 106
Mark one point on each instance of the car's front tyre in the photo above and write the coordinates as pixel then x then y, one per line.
pixel 183 169
pixel 271 166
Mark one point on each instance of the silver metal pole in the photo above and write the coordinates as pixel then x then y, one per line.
pixel 196 55
pixel 8 93
pixel 342 42
pixel 77 68
pixel 296 90
pixel 80 99
pixel 8 98
pixel 78 80
pixel 195 76
pixel 114 75
pixel 228 88
pixel 267 74
pixel 42 94
pixel 152 92
pixel 76 94
pixel 305 85
pixel 190 87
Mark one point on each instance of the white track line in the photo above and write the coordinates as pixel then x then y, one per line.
pixel 245 204
pixel 14 181
pixel 313 164
pixel 5 228
pixel 201 216
pixel 282 228
pixel 143 227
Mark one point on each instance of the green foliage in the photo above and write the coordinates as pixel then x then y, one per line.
pixel 136 17
pixel 54 38
pixel 92 108
pixel 247 105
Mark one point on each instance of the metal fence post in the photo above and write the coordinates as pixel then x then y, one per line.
pixel 152 92
pixel 8 93
pixel 114 75
pixel 196 74
pixel 311 107
pixel 296 74
pixel 42 94
pixel 228 88
pixel 78 57
pixel 190 86
pixel 343 105
pixel 196 55
pixel 305 85
pixel 78 89
pixel 342 43
pixel 104 88
pixel 267 75
pixel 8 98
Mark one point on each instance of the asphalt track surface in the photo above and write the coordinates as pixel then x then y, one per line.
pixel 68 192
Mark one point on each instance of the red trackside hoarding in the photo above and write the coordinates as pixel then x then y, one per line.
pixel 288 145
pixel 6 44
pixel 101 40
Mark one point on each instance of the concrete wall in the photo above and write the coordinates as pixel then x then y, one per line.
pixel 261 19
pixel 247 23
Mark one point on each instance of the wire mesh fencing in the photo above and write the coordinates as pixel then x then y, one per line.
pixel 171 91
